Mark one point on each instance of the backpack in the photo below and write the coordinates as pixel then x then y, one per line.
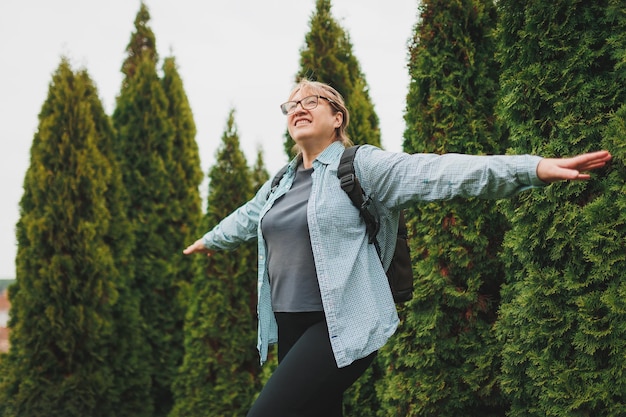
pixel 400 271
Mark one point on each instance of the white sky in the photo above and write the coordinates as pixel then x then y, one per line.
pixel 240 54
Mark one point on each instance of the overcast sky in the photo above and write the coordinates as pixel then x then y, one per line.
pixel 240 54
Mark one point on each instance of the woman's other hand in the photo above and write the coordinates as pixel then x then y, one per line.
pixel 198 247
pixel 571 169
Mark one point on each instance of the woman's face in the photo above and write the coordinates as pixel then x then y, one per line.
pixel 312 125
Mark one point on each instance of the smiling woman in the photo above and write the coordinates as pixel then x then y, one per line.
pixel 323 294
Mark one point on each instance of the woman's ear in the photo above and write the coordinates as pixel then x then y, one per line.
pixel 338 119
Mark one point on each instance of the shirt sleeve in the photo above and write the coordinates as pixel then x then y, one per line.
pixel 240 226
pixel 398 179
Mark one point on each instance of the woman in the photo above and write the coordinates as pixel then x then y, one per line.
pixel 323 293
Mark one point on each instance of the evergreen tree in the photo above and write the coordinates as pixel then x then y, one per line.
pixel 220 372
pixel 4 378
pixel 148 129
pixel 445 352
pixel 186 173
pixel 142 44
pixel 328 57
pixel 63 339
pixel 131 374
pixel 562 319
pixel 259 173
pixel 362 399
pixel 185 178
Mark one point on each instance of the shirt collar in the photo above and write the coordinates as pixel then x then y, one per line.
pixel 331 154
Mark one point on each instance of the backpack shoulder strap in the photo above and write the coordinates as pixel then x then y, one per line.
pixel 276 180
pixel 351 185
pixel 347 176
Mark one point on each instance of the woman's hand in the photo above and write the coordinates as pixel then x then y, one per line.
pixel 198 247
pixel 563 169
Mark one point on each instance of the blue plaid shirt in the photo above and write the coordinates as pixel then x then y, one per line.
pixel 359 308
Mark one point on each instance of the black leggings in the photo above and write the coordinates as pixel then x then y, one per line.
pixel 307 381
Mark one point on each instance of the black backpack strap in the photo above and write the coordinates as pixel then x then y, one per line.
pixel 350 184
pixel 276 180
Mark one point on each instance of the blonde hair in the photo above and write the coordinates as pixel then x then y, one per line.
pixel 337 104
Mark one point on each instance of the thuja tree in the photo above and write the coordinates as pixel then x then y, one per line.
pixel 327 57
pixel 185 173
pixel 131 373
pixel 147 130
pixel 64 347
pixel 445 355
pixel 220 372
pixel 259 173
pixel 563 314
pixel 142 44
pixel 185 178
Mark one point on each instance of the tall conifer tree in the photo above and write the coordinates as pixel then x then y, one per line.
pixel 64 354
pixel 149 128
pixel 562 321
pixel 446 353
pixel 132 378
pixel 259 172
pixel 327 57
pixel 220 373
pixel 186 171
pixel 185 178
pixel 142 44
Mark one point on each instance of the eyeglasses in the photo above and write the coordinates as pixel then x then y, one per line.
pixel 307 103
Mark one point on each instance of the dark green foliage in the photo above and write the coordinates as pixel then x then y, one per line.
pixel 445 355
pixel 220 372
pixel 453 79
pixel 132 380
pixel 362 398
pixel 159 163
pixel 185 212
pixel 142 44
pixel 144 148
pixel 327 57
pixel 186 174
pixel 259 172
pixel 4 374
pixel 562 320
pixel 66 358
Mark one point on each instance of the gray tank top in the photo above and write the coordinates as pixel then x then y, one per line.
pixel 293 278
